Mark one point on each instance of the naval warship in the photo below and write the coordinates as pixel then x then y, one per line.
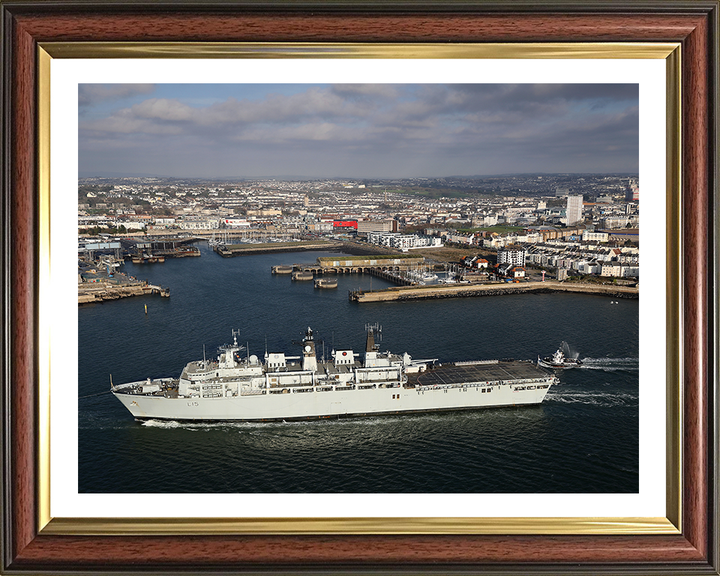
pixel 236 388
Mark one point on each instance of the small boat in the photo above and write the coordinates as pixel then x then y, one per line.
pixel 560 359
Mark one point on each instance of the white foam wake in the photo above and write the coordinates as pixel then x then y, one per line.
pixel 592 398
pixel 611 364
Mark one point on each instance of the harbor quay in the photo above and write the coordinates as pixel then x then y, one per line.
pixel 354 264
pixel 491 289
pixel 99 279
pixel 103 291
pixel 386 266
pixel 230 250
pixel 140 250
pixel 309 272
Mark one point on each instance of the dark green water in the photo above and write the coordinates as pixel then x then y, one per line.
pixel 583 438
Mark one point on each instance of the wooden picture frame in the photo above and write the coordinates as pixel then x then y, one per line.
pixel 28 25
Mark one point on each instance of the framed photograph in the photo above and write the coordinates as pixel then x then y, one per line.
pixel 84 495
pixel 391 473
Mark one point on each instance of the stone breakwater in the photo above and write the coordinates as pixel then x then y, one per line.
pixel 102 292
pixel 496 289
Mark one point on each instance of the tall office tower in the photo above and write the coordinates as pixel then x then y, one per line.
pixel 574 209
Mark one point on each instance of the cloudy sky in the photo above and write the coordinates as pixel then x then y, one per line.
pixel 356 131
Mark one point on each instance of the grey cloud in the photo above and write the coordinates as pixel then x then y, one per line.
pixel 533 92
pixel 160 109
pixel 525 99
pixel 89 94
pixel 314 105
pixel 388 91
pixel 430 129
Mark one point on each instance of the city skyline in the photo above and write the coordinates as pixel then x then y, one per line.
pixel 356 131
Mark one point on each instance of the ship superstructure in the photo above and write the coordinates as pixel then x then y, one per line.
pixel 282 387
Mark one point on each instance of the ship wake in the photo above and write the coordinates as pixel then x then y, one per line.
pixel 592 398
pixel 199 426
pixel 611 364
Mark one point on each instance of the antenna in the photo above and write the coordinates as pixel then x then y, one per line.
pixel 235 334
pixel 203 355
pixel 375 329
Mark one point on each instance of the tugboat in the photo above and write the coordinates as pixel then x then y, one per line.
pixel 559 360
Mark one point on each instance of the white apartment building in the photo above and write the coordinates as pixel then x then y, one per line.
pixel 594 236
pixel 131 224
pixel 512 255
pixel 588 267
pixel 321 226
pixel 484 221
pixel 403 241
pixel 574 209
pixel 611 269
pixel 619 221
pixel 199 224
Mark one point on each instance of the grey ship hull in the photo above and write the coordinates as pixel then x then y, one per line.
pixel 462 386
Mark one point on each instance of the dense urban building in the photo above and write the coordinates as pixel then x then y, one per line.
pixel 583 224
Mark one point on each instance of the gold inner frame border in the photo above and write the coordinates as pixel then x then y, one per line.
pixel 671 524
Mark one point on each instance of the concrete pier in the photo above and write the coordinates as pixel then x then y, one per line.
pixel 494 289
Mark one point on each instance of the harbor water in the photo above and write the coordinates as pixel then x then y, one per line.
pixel 582 439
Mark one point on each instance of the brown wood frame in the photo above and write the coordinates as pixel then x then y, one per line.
pixel 692 23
